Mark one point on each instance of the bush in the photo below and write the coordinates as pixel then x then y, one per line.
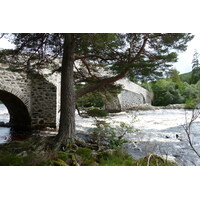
pixel 96 112
pixel 112 137
pixel 89 100
pixel 165 93
pixel 191 103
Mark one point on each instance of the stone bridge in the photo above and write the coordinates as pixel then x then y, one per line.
pixel 33 100
pixel 131 96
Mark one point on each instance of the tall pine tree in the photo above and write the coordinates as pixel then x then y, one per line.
pixel 138 56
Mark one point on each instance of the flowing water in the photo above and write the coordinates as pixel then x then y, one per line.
pixel 161 132
pixel 4 131
pixel 158 131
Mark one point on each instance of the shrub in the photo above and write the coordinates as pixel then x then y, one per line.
pixel 112 136
pixel 90 99
pixel 191 103
pixel 96 112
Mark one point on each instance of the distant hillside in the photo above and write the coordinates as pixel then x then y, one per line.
pixel 186 77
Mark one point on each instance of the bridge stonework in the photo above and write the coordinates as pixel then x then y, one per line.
pixel 31 100
pixel 132 95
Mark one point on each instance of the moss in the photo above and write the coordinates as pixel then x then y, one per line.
pixel 64 156
pixel 8 159
pixel 85 156
pixel 58 162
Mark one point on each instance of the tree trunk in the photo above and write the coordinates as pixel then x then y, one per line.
pixel 66 131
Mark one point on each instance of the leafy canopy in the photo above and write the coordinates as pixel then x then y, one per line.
pixel 143 55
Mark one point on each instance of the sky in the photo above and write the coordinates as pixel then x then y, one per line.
pixel 5 44
pixel 184 63
pixel 184 59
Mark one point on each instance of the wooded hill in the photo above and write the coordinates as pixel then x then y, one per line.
pixel 176 89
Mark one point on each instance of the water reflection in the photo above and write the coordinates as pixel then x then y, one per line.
pixel 5 134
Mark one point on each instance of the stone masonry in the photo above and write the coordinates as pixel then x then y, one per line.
pixel 31 100
pixel 132 95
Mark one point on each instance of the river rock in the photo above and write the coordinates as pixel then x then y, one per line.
pixel 23 154
pixel 175 106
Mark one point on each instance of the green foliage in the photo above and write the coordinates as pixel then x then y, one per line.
pixel 195 75
pixel 16 156
pixel 165 93
pixel 122 158
pixel 186 77
pixel 97 98
pixel 190 91
pixel 10 159
pixel 173 90
pixel 195 68
pixel 147 86
pixel 96 112
pixel 58 162
pixel 116 51
pixel 86 156
pixel 116 158
pixel 90 100
pixel 191 103
pixel 175 77
pixel 112 136
pixel 198 87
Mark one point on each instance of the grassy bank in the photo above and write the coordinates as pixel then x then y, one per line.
pixel 20 153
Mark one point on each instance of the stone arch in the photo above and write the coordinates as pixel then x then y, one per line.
pixel 19 115
pixel 20 91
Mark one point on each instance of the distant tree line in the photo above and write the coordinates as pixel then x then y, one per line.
pixel 177 89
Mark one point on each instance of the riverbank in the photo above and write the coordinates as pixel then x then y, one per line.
pixel 150 107
pixel 157 131
pixel 22 153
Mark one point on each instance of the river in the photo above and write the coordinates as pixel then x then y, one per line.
pixel 161 132
pixel 4 117
pixel 158 131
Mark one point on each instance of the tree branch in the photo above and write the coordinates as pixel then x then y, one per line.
pixel 92 56
pixel 2 35
pixel 101 84
pixel 110 80
pixel 88 68
pixel 187 128
pixel 141 50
